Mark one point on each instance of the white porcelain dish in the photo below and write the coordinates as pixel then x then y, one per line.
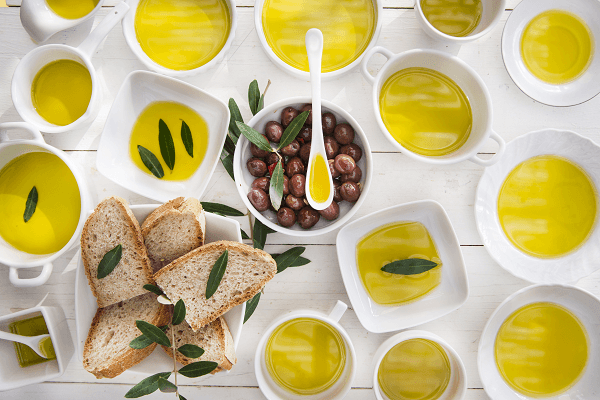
pixel 243 178
pixel 457 386
pixel 566 269
pixel 586 308
pixel 134 45
pixel 139 89
pixel 572 93
pixel 452 292
pixel 305 75
pixel 217 228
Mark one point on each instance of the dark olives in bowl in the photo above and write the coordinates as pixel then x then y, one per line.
pixel 308 217
pixel 259 199
pixel 256 167
pixel 273 131
pixel 286 217
pixel 287 116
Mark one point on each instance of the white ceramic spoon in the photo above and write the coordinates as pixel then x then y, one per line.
pixel 32 341
pixel 314 49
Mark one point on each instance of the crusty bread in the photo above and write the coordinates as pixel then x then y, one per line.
pixel 112 223
pixel 215 338
pixel 248 270
pixel 106 352
pixel 172 230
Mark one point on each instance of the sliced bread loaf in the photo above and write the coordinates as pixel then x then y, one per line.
pixel 112 223
pixel 106 352
pixel 172 230
pixel 247 271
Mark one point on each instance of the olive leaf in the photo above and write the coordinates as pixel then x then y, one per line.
pixel 141 342
pixel 167 147
pixel 198 368
pixel 260 232
pixel 251 306
pixel 288 258
pixel 153 289
pixel 187 139
pixel 229 146
pixel 166 386
pixel 255 137
pixel 178 313
pixel 235 116
pixel 292 130
pixel 217 208
pixel 410 266
pixel 151 162
pixel 244 234
pixel 30 204
pixel 153 333
pixel 182 398
pixel 227 162
pixel 276 186
pixel 109 261
pixel 253 96
pixel 191 351
pixel 146 386
pixel 300 261
pixel 216 274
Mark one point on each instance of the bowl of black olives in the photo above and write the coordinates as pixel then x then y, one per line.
pixel 349 157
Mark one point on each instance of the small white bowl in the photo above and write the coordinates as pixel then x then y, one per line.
pixel 572 93
pixel 243 178
pixel 11 374
pixel 452 292
pixel 134 45
pixel 568 268
pixel 139 89
pixel 217 228
pixel 457 387
pixel 586 308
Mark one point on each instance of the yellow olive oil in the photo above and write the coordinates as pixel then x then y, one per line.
pixel 319 186
pixel 416 369
pixel 347 27
pixel 453 17
pixel 58 208
pixel 72 9
pixel 305 356
pixel 145 134
pixel 541 349
pixel 547 206
pixel 557 46
pixel 182 34
pixel 32 327
pixel 425 111
pixel 392 242
pixel 61 91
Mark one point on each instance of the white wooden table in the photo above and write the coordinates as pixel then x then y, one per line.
pixel 396 179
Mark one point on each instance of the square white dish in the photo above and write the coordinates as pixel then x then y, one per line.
pixel 217 228
pixel 451 293
pixel 139 89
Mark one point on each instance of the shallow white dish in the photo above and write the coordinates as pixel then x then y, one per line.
pixel 566 269
pixel 217 228
pixel 243 178
pixel 586 308
pixel 451 293
pixel 139 89
pixel 572 93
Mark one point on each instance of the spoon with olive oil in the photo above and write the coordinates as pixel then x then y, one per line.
pixel 41 344
pixel 319 184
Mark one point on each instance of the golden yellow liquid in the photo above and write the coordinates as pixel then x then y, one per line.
pixel 547 206
pixel 541 349
pixel 32 327
pixel 305 356
pixel 319 186
pixel 72 9
pixel 182 34
pixel 557 46
pixel 416 369
pixel 347 27
pixel 392 242
pixel 61 91
pixel 425 111
pixel 145 134
pixel 453 17
pixel 58 209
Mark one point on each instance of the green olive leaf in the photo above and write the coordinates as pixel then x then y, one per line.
pixel 251 306
pixel 151 162
pixel 178 313
pixel 191 351
pixel 216 274
pixel 30 204
pixel 288 258
pixel 227 162
pixel 198 368
pixel 255 137
pixel 141 342
pixel 229 146
pixel 147 386
pixel 167 147
pixel 187 139
pixel 154 289
pixel 244 234
pixel 260 232
pixel 410 266
pixel 166 386
pixel 292 130
pixel 153 333
pixel 235 116
pixel 276 186
pixel 218 208
pixel 253 96
pixel 109 261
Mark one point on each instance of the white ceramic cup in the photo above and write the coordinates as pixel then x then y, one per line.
pixel 16 259
pixel 39 57
pixel 492 12
pixel 273 391
pixel 457 387
pixel 464 76
pixel 41 22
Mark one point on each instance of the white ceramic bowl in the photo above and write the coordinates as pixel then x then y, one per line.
pixel 243 178
pixel 134 45
pixel 457 387
pixel 572 93
pixel 452 292
pixel 217 228
pixel 586 308
pixel 568 268
pixel 139 89
pixel 11 374
pixel 305 75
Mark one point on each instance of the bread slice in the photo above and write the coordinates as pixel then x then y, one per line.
pixel 112 223
pixel 172 230
pixel 247 271
pixel 215 338
pixel 106 352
